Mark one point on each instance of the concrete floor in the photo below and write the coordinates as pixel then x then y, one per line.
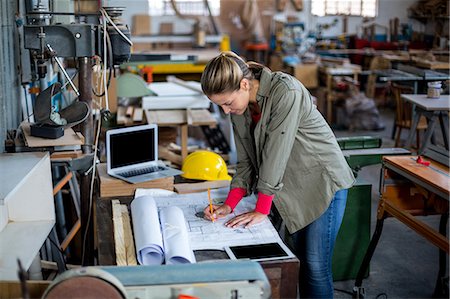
pixel 404 264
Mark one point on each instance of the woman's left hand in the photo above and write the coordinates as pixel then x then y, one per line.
pixel 246 219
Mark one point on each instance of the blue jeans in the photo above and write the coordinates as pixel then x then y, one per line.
pixel 314 247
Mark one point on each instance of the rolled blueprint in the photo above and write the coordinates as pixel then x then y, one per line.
pixel 147 233
pixel 175 236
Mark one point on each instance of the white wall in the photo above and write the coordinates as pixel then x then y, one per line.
pixel 135 7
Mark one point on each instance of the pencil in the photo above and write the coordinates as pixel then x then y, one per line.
pixel 210 205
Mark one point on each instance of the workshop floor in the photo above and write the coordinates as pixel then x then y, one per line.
pixel 404 264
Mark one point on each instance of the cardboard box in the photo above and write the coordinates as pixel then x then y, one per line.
pixel 307 74
pixel 141 25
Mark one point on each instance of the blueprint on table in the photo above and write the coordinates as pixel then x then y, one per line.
pixel 204 234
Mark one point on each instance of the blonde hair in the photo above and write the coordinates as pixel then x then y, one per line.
pixel 224 73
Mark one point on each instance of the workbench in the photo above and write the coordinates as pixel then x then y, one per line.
pixel 182 119
pixel 434 110
pixel 409 189
pixel 330 72
pixel 282 274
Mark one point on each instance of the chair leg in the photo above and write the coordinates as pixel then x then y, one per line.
pixel 397 138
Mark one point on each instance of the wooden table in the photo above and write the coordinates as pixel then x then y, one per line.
pixel 330 72
pixel 182 119
pixel 433 110
pixel 282 274
pixel 410 189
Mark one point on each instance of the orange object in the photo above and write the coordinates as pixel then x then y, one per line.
pixel 147 73
pixel 210 204
pixel 256 46
pixel 182 296
pixel 34 90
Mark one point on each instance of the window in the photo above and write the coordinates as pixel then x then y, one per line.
pixel 186 7
pixel 364 8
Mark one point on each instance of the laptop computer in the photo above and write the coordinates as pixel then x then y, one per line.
pixel 132 154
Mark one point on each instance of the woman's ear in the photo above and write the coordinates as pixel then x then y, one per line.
pixel 245 84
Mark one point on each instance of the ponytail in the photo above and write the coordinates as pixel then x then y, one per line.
pixel 224 73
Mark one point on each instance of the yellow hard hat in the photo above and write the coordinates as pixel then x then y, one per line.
pixel 205 165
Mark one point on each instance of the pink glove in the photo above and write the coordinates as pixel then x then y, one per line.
pixel 234 197
pixel 264 203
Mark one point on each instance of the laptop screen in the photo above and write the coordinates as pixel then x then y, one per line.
pixel 129 148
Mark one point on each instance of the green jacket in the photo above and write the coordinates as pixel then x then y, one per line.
pixel 293 153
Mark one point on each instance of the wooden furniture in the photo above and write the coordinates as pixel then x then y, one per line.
pixel 410 189
pixel 377 63
pixel 434 110
pixel 330 72
pixel 181 119
pixel 27 209
pixel 403 116
pixel 282 274
pixel 110 187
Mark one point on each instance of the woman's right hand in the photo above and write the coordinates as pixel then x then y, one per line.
pixel 218 211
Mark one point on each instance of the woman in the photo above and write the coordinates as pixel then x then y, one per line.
pixel 289 155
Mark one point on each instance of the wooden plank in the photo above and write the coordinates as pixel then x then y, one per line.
pixel 430 64
pixel 111 187
pixel 54 266
pixel 129 111
pixel 69 138
pixel 184 141
pixel 65 155
pixel 166 154
pixel 121 115
pixel 427 174
pixel 418 226
pixel 189 116
pixel 76 227
pixel 138 114
pixel 105 237
pixel 12 289
pixel 128 237
pixel 166 117
pixel 183 188
pixel 202 117
pixel 119 241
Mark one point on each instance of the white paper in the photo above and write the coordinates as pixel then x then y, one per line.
pixel 147 233
pixel 204 234
pixel 199 101
pixel 175 236
pixel 166 89
pixel 152 192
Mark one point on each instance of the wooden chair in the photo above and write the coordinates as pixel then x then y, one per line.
pixel 403 119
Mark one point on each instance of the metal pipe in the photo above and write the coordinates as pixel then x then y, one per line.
pixel 85 88
pixel 87 129
pixel 61 67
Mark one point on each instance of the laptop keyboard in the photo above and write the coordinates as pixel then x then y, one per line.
pixel 141 171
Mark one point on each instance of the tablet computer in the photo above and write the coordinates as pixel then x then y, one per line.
pixel 259 252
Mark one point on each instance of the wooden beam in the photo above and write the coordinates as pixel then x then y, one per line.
pixel 128 237
pixel 119 241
